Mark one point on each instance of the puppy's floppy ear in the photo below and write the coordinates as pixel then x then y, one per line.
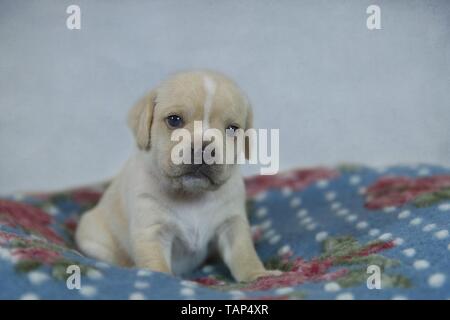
pixel 248 125
pixel 140 120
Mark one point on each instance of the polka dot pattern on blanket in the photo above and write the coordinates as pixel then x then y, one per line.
pixel 326 229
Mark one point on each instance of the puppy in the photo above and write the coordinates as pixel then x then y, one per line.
pixel 170 217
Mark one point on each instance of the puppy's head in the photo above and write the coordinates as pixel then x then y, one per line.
pixel 176 104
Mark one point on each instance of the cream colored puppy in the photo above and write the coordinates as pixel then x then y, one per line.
pixel 168 217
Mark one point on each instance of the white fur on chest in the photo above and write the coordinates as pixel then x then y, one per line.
pixel 194 230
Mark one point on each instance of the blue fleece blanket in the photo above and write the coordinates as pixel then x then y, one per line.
pixel 346 233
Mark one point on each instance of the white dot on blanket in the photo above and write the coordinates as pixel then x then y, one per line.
pixel 189 284
pixel 389 209
pixel 136 296
pixel 141 285
pixel 381 170
pixel 321 236
pixel 416 221
pixel 362 225
pixel 399 297
pixel 442 234
pixel 208 269
pixel 29 296
pixel 236 294
pixel 260 196
pixel 374 232
pixel 5 254
pixel 410 252
pixel 188 292
pixel 423 172
pixel 351 218
pixel 429 227
pixel 284 250
pixel 345 296
pixel 332 287
pixel 398 241
pixel 94 274
pixel 421 264
pixel 52 210
pixel 88 291
pixel 37 277
pixel 274 239
pixel 266 224
pixel 306 220
pixel 34 237
pixel 342 212
pixel 444 207
pixel 286 191
pixel 102 265
pixel 295 202
pixel 311 226
pixel 385 236
pixel 269 234
pixel 261 212
pixel 335 205
pixel 436 280
pixel 283 291
pixel 302 213
pixel 362 190
pixel 321 184
pixel 144 273
pixel 330 195
pixel 404 214
pixel 354 180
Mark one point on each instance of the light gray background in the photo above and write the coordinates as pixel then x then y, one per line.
pixel 337 91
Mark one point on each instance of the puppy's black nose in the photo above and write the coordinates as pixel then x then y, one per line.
pixel 200 155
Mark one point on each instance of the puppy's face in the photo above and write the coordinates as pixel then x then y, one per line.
pixel 175 105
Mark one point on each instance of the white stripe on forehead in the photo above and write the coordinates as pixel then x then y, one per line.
pixel 210 88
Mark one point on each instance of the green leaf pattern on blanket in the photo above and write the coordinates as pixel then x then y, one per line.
pixel 348 258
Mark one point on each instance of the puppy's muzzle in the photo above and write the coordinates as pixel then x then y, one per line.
pixel 202 165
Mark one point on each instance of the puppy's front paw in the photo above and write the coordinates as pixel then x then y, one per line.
pixel 262 274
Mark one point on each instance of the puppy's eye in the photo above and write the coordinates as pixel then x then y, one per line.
pixel 231 130
pixel 174 121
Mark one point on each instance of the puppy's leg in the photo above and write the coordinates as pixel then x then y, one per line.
pixel 95 240
pixel 238 252
pixel 150 249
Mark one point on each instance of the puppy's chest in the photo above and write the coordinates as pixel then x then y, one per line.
pixel 195 229
pixel 193 237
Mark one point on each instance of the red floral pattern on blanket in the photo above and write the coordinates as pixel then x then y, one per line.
pixel 397 191
pixel 86 196
pixel 41 255
pixel 28 218
pixel 28 254
pixel 300 272
pixel 295 179
pixel 344 254
pixel 5 237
